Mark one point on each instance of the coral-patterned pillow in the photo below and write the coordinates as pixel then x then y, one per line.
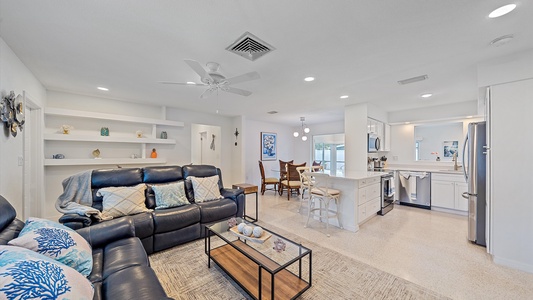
pixel 57 242
pixel 25 274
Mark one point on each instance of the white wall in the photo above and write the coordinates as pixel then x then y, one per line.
pixel 510 205
pixel 15 76
pixel 252 153
pixel 432 136
pixel 403 143
pixel 435 113
pixel 179 154
pixel 355 135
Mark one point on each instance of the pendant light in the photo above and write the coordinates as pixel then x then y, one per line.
pixel 303 131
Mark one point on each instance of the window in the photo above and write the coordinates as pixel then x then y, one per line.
pixel 329 150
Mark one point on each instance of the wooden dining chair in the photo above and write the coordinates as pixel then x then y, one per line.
pixel 292 181
pixel 316 163
pixel 283 169
pixel 265 181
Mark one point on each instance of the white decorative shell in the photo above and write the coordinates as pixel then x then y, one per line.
pixel 258 231
pixel 247 231
pixel 240 227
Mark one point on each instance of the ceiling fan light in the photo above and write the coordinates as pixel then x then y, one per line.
pixel 296 134
pixel 306 130
pixel 304 138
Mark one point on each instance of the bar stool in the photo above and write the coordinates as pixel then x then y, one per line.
pixel 322 192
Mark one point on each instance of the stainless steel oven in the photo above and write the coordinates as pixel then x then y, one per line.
pixel 387 194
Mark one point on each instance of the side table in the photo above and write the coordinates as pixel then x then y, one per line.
pixel 248 189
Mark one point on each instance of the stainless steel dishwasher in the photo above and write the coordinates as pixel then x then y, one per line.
pixel 415 189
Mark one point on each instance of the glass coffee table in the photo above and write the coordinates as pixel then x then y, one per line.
pixel 269 267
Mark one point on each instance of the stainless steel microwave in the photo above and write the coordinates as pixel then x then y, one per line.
pixel 373 143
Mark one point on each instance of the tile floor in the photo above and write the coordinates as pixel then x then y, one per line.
pixel 426 247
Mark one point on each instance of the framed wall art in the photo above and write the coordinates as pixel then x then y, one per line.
pixel 450 148
pixel 269 143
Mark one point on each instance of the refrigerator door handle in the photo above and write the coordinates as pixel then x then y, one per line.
pixel 464 166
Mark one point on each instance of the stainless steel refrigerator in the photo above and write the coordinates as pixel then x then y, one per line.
pixel 475 172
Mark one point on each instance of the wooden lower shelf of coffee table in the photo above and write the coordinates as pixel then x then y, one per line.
pixel 246 272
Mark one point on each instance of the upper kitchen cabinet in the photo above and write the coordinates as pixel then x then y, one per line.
pixel 382 130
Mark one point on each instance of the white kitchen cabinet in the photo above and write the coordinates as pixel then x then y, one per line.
pixel 446 192
pixel 368 198
pixel 386 137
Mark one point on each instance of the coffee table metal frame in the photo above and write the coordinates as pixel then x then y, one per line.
pixel 249 253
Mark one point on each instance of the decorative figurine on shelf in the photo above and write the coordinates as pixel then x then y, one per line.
pixel 139 133
pixel 58 156
pixel 96 153
pixel 154 154
pixel 104 131
pixel 279 245
pixel 65 129
pixel 232 222
pixel 163 135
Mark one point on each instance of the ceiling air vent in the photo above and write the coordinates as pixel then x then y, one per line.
pixel 414 79
pixel 250 47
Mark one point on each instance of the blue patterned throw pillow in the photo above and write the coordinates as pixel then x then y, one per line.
pixel 57 242
pixel 170 195
pixel 25 274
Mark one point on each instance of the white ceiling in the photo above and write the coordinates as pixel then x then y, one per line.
pixel 359 48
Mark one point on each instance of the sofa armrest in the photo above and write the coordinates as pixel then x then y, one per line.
pixel 106 232
pixel 75 221
pixel 236 195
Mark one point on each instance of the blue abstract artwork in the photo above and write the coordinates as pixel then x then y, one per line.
pixel 268 146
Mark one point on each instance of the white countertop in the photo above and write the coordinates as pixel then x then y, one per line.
pixel 358 175
pixel 432 169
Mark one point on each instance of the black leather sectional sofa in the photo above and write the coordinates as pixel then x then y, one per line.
pixel 162 229
pixel 121 269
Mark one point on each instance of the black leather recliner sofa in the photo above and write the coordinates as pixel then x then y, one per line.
pixel 162 229
pixel 121 269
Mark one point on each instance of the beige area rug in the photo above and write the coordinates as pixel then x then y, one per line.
pixel 184 274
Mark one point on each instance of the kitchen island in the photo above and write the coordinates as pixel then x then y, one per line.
pixel 360 197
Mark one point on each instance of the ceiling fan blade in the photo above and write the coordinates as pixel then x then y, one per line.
pixel 197 67
pixel 237 91
pixel 207 93
pixel 243 78
pixel 182 83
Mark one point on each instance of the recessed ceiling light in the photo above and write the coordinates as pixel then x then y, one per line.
pixel 426 95
pixel 309 78
pixel 190 82
pixel 498 12
pixel 344 96
pixel 103 88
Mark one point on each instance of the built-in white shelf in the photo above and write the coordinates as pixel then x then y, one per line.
pixel 52 111
pixel 106 139
pixel 103 161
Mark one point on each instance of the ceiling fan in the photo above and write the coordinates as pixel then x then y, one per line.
pixel 215 81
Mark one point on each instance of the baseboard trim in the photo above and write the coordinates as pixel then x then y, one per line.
pixel 513 264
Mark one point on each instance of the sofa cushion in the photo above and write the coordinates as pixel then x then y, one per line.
pixel 217 210
pixel 57 242
pixel 144 224
pixel 123 200
pixel 205 188
pixel 25 274
pixel 175 218
pixel 170 195
pixel 162 174
pixel 134 283
pixel 123 254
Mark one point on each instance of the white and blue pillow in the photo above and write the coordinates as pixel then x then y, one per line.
pixel 57 242
pixel 170 195
pixel 25 274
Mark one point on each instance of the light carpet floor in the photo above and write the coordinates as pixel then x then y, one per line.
pixel 184 274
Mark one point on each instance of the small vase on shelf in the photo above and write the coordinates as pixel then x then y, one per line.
pixel 153 154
